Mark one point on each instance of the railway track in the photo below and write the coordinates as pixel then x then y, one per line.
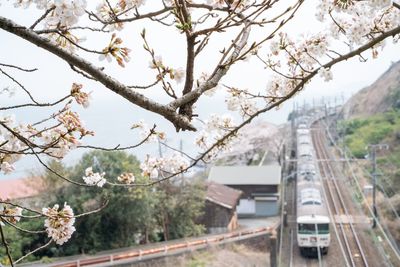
pixel 348 239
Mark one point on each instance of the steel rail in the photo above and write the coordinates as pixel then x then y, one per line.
pixel 347 213
pixel 333 180
pixel 331 215
pixel 343 238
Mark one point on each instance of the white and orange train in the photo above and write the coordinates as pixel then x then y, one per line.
pixel 313 236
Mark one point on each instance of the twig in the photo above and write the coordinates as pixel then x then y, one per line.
pixel 36 105
pixel 20 85
pixel 42 17
pixel 93 211
pixel 117 147
pixel 21 229
pixel 33 251
pixel 19 68
pixel 3 239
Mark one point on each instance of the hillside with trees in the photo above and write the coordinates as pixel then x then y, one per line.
pixel 372 116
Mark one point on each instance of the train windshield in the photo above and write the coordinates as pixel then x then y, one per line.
pixel 311 228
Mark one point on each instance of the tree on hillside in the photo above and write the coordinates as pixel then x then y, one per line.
pixel 224 33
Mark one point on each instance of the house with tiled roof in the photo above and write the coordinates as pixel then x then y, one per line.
pixel 20 188
pixel 220 209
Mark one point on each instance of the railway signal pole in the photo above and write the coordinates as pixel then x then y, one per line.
pixel 373 149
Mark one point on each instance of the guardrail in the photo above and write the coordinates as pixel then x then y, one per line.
pixel 138 254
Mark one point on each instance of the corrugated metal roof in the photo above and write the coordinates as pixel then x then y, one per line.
pixel 246 175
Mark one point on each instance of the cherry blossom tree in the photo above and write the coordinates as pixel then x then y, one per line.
pixel 351 28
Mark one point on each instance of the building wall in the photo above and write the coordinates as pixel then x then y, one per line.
pixel 219 219
pixel 248 190
pixel 233 224
pixel 251 206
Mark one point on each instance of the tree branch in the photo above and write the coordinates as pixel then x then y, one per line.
pixel 4 241
pixel 168 112
pixel 221 70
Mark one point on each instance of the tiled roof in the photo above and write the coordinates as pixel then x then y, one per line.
pixel 222 195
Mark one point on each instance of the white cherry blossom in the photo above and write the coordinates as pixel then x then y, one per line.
pixel 326 74
pixel 94 178
pixel 126 178
pixel 13 215
pixel 59 224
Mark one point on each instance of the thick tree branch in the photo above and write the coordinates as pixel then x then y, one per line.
pixel 221 70
pixel 190 40
pixel 180 122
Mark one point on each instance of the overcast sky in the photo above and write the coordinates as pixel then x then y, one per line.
pixel 110 116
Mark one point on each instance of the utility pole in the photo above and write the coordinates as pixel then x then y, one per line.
pixel 373 149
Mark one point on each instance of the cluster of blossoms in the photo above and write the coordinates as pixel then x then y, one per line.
pixel 174 74
pixel 359 21
pixel 213 133
pixel 62 139
pixel 67 40
pixel 82 98
pixel 302 56
pixel 56 141
pixel 94 178
pixel 126 178
pixel 356 21
pixel 59 224
pixel 65 13
pixel 114 50
pixel 10 143
pixel 147 132
pixel 11 215
pixel 107 14
pixel 239 100
pixel 278 86
pixel 152 167
pixel 326 74
pixel 236 4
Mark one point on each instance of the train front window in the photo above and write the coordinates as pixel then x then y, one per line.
pixel 311 228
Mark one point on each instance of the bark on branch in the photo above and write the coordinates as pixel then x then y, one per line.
pixel 167 111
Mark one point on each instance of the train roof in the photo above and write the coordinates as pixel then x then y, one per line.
pixel 311 210
pixel 313 219
pixel 306 166
pixel 303 131
pixel 310 196
pixel 304 139
pixel 304 150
